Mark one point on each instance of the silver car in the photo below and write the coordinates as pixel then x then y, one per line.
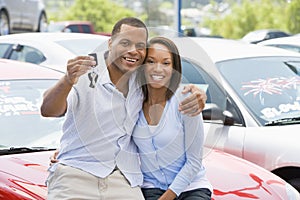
pixel 22 16
pixel 253 105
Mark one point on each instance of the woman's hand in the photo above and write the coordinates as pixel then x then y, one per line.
pixel 53 157
pixel 168 195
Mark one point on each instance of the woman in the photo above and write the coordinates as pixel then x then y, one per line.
pixel 169 144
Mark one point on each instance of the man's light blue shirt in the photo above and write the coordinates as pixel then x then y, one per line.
pixel 98 127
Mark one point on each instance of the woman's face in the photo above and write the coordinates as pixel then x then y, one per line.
pixel 159 66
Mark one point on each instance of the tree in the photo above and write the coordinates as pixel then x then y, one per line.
pixel 249 15
pixel 293 16
pixel 102 13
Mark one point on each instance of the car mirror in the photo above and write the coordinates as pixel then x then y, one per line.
pixel 215 113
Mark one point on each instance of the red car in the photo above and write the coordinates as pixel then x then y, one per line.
pixel 27 140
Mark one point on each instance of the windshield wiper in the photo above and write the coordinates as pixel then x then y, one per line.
pixel 16 150
pixel 284 121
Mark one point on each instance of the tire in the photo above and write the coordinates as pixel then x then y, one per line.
pixel 42 26
pixel 4 23
pixel 295 182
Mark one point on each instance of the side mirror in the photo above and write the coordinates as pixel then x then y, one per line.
pixel 215 113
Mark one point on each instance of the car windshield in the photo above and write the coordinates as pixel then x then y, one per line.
pixel 21 123
pixel 269 87
pixel 82 46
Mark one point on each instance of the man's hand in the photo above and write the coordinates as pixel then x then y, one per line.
pixel 193 104
pixel 77 67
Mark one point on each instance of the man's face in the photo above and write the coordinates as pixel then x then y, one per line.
pixel 128 48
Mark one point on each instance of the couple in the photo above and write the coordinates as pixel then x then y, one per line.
pixel 129 121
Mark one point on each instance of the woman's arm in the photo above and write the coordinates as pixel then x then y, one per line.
pixel 194 139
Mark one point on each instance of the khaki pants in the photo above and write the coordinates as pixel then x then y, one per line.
pixel 68 183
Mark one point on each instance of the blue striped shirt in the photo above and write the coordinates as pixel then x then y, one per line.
pixel 98 127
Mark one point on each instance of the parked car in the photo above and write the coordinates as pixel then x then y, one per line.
pixel 49 49
pixel 253 105
pixel 291 43
pixel 22 16
pixel 74 27
pixel 198 32
pixel 27 140
pixel 263 34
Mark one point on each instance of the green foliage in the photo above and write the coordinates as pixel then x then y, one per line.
pixel 248 16
pixel 102 13
pixel 293 16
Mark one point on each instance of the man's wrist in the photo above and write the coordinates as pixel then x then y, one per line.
pixel 67 79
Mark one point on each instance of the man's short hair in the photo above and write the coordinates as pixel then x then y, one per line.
pixel 131 21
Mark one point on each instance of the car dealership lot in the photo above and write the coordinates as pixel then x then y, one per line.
pixel 27 141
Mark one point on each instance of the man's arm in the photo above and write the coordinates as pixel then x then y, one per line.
pixel 194 103
pixel 55 99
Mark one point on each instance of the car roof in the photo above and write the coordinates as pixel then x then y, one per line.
pixel 292 40
pixel 71 22
pixel 220 49
pixel 52 36
pixel 11 69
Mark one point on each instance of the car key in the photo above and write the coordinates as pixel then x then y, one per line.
pixel 93 76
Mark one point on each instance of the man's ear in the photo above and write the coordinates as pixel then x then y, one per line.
pixel 109 44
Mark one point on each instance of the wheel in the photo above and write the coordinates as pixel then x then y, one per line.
pixel 295 182
pixel 4 23
pixel 42 27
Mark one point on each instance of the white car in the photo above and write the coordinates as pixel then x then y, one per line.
pixel 49 49
pixel 291 43
pixel 263 34
pixel 22 15
pixel 253 105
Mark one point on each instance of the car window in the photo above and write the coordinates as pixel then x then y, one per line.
pixel 86 28
pixel 288 47
pixel 3 49
pixel 27 54
pixel 269 87
pixel 20 106
pixel 73 28
pixel 216 97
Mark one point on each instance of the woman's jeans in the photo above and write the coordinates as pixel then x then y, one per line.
pixel 197 194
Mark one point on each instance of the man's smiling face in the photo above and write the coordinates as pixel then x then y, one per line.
pixel 128 48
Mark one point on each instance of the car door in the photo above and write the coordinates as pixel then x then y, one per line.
pixel 30 14
pixel 15 9
pixel 223 122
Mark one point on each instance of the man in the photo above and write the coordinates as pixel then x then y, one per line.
pixel 97 154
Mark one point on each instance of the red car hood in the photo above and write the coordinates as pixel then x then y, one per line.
pixel 23 176
pixel 235 178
